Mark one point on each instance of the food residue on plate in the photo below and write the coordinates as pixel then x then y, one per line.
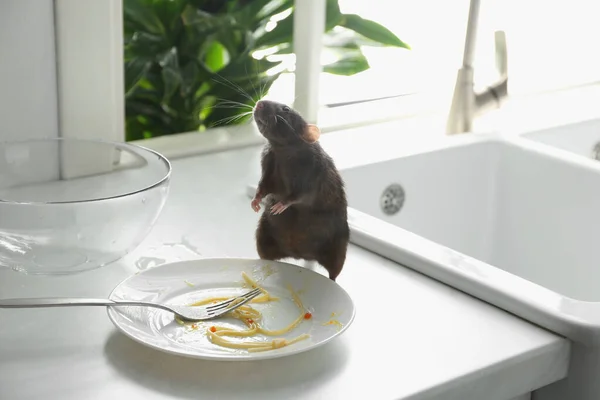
pixel 190 284
pixel 251 317
pixel 334 322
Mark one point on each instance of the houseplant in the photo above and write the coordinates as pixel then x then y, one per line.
pixel 191 65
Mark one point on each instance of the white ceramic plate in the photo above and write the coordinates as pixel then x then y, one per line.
pixel 185 282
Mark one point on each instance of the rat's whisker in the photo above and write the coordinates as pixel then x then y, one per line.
pixel 264 90
pixel 251 82
pixel 232 102
pixel 231 84
pixel 235 87
pixel 233 118
pixel 224 121
pixel 221 107
pixel 231 106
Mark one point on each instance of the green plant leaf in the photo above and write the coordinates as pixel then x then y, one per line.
pixel 140 12
pixel 211 6
pixel 169 13
pixel 247 68
pixel 341 39
pixel 272 8
pixel 236 41
pixel 191 79
pixel 203 22
pixel 150 110
pixel 215 57
pixel 285 48
pixel 255 11
pixel 282 33
pixel 284 30
pixel 351 63
pixel 145 45
pixel 171 74
pixel 333 14
pixel 135 70
pixel 371 30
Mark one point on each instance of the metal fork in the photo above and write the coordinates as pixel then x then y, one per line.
pixel 190 313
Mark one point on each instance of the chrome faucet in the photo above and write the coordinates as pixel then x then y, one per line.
pixel 466 104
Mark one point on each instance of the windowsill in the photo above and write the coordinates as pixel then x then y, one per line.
pixel 517 115
pixel 213 140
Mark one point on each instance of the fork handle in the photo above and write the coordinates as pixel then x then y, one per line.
pixel 67 301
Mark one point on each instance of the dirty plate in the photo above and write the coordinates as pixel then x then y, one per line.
pixel 331 308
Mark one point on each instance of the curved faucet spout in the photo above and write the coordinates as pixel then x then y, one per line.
pixel 466 103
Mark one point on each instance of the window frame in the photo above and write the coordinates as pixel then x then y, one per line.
pixel 90 76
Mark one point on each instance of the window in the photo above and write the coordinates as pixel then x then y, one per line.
pixel 550 47
pixel 436 39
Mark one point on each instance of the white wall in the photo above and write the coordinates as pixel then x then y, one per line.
pixel 28 91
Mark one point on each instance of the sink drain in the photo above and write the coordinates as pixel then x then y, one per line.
pixel 596 152
pixel 392 199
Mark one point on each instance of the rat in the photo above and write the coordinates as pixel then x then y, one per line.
pixel 306 214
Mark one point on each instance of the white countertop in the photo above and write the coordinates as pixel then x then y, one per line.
pixel 442 344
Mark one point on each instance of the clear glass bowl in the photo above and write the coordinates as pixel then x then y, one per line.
pixel 71 205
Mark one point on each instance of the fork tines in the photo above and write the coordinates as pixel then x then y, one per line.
pixel 224 304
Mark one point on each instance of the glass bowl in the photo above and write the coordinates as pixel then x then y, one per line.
pixel 72 205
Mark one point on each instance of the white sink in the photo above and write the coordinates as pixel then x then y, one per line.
pixel 504 219
pixel 582 138
pixel 500 202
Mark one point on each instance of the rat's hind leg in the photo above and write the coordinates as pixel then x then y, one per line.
pixel 266 245
pixel 333 258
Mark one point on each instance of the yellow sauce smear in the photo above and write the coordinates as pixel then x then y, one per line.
pixel 334 322
pixel 251 318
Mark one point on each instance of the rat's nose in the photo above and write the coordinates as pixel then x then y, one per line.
pixel 259 105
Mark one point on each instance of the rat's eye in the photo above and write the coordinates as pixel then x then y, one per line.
pixel 286 108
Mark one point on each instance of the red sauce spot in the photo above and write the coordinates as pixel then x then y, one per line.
pixel 213 329
pixel 307 315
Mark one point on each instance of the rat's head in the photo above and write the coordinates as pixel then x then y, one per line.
pixel 282 125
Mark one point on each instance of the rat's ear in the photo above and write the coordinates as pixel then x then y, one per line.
pixel 311 133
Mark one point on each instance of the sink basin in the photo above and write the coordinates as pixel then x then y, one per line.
pixel 504 219
pixel 582 138
pixel 502 203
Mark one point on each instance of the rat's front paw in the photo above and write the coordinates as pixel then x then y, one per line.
pixel 279 207
pixel 256 204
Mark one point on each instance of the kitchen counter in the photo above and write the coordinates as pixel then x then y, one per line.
pixel 434 343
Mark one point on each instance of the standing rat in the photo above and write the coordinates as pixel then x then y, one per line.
pixel 306 213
